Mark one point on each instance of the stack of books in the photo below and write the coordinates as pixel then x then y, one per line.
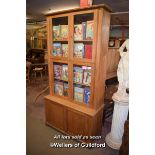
pixel 60 32
pixel 81 94
pixel 61 88
pixel 82 51
pixel 60 49
pixel 61 72
pixel 78 93
pixel 82 75
pixel 83 31
pixel 86 75
pixel 78 75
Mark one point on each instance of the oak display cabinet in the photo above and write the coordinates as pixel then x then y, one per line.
pixel 77 77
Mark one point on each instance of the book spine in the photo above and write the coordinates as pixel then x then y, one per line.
pixel 88 52
pixel 83 51
pixel 84 30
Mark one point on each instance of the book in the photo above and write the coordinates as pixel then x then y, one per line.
pixel 64 32
pixel 56 32
pixel 86 75
pixel 78 74
pixel 84 30
pixel 78 50
pixel 89 30
pixel 64 50
pixel 57 71
pixel 65 72
pixel 57 49
pixel 65 89
pixel 85 3
pixel 58 88
pixel 78 93
pixel 88 51
pixel 78 32
pixel 87 95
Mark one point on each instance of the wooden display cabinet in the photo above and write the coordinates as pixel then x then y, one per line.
pixel 79 112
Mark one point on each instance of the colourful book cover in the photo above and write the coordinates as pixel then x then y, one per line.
pixel 89 30
pixel 87 95
pixel 65 72
pixel 78 75
pixel 57 71
pixel 57 49
pixel 78 50
pixel 78 94
pixel 86 75
pixel 78 32
pixel 84 24
pixel 64 50
pixel 64 32
pixel 65 89
pixel 58 88
pixel 56 32
pixel 88 51
pixel 85 3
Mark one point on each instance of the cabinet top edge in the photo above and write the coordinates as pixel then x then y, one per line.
pixel 104 6
pixel 84 109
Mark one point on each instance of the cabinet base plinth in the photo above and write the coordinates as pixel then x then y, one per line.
pixel 66 118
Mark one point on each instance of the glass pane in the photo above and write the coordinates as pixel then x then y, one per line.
pixel 83 26
pixel 83 36
pixel 82 82
pixel 61 79
pixel 82 50
pixel 60 49
pixel 60 37
pixel 60 28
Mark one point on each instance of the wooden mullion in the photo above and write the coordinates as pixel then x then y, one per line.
pixel 49 29
pixel 70 54
pixel 52 77
pixel 70 80
pixel 94 50
pixel 94 45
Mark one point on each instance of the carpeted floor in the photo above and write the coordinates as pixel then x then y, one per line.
pixel 39 136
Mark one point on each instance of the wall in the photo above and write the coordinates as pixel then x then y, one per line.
pixel 116 32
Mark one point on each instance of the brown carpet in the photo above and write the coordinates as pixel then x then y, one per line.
pixel 39 135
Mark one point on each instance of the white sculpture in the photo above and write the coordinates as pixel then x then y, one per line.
pixel 121 99
pixel 123 72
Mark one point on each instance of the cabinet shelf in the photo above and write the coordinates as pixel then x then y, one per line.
pixel 59 58
pixel 61 80
pixel 85 41
pixel 82 84
pixel 60 40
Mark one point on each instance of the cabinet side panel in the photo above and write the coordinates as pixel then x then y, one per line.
pixel 102 49
pixel 49 32
pixel 97 123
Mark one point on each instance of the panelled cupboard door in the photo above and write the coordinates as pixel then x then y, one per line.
pixel 55 115
pixel 77 123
